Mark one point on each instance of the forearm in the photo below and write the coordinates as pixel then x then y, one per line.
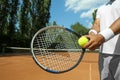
pixel 113 30
pixel 96 27
pixel 115 27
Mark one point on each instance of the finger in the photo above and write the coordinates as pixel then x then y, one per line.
pixel 87 36
pixel 93 46
pixel 87 45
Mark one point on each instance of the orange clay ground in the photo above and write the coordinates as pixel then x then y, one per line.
pixel 22 67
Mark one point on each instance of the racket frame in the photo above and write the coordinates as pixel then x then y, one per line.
pixel 45 68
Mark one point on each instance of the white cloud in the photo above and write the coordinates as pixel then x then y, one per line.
pixel 87 13
pixel 86 7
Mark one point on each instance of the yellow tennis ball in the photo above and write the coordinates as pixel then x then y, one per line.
pixel 82 41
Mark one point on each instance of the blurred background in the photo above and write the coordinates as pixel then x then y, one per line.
pixel 21 19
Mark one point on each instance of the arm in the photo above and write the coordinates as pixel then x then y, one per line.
pixel 115 27
pixel 96 40
pixel 96 27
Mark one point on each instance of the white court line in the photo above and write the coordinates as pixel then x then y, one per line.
pixel 90 71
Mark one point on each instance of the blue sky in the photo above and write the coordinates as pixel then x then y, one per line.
pixel 68 12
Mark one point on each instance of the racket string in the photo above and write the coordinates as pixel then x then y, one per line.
pixel 54 59
pixel 59 62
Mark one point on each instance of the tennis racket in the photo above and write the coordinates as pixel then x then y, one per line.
pixel 56 50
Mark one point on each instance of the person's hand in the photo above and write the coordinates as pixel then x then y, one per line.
pixel 94 41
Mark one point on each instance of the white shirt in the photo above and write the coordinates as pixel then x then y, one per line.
pixel 107 15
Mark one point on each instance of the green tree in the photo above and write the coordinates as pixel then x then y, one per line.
pixel 54 23
pixel 40 14
pixel 79 28
pixel 20 19
pixel 3 20
pixel 24 23
pixel 8 19
pixel 34 15
pixel 12 19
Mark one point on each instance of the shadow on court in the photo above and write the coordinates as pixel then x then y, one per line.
pixel 22 67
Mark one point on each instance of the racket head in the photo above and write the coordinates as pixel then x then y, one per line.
pixel 55 49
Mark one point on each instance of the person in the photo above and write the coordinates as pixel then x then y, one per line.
pixel 105 34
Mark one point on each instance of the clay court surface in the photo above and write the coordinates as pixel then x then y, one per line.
pixel 22 67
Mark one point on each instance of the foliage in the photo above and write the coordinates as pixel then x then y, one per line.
pixel 54 23
pixel 79 28
pixel 20 19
